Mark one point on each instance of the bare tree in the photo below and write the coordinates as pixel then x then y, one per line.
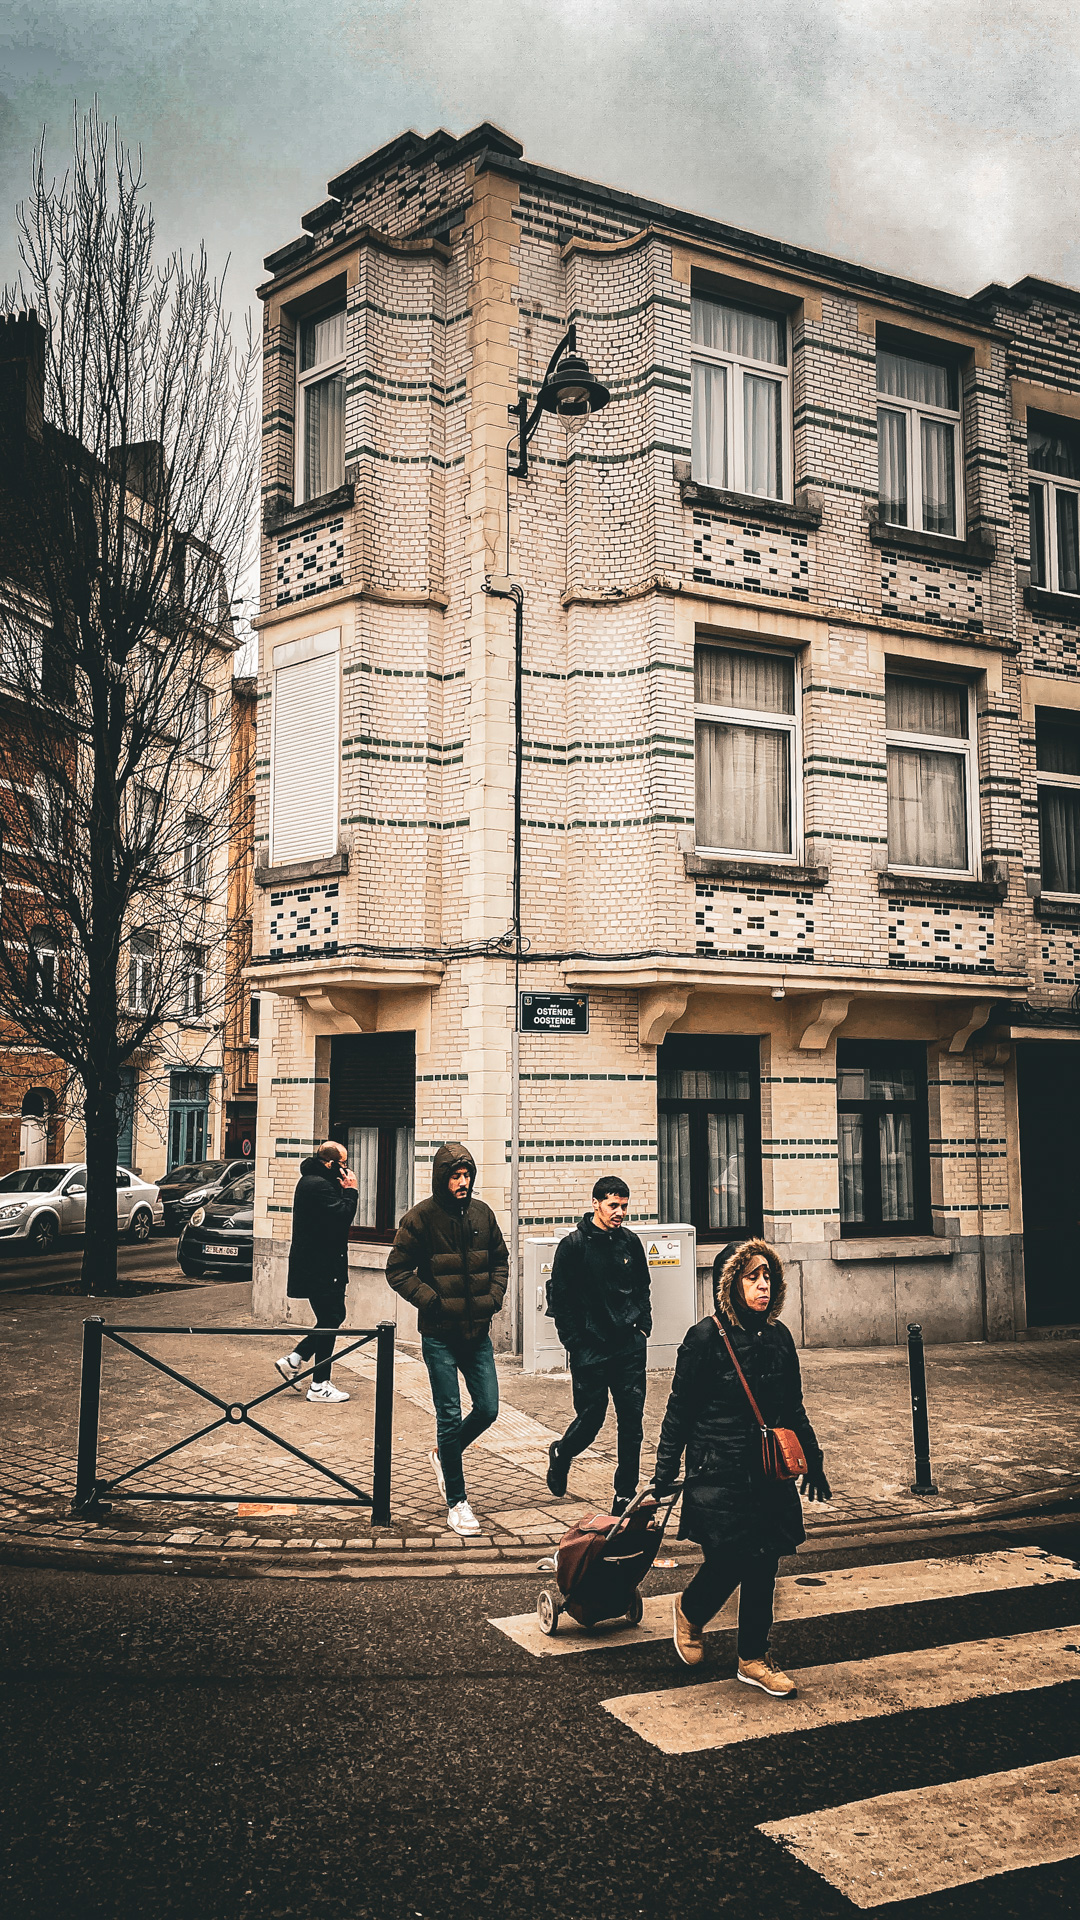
pixel 129 462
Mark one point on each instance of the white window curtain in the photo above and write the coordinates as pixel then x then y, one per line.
pixel 743 788
pixel 935 708
pixel 673 1144
pixel 364 1161
pixel 927 811
pixel 897 1167
pixel 852 1200
pixel 1059 832
pixel 921 381
pixel 750 682
pixel 324 436
pixel 1068 543
pixel 703 1083
pixel 710 463
pixel 762 445
pixel 750 336
pixel 403 1170
pixel 727 1170
pixel 892 466
pixel 939 476
pixel 322 339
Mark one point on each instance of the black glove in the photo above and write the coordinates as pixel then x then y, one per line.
pixel 663 1489
pixel 814 1484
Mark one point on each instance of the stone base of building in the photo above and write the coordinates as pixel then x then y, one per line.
pixel 367 1301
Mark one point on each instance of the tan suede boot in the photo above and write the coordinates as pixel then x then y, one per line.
pixel 689 1643
pixel 766 1675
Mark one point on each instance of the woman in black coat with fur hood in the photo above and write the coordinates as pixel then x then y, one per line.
pixel 743 1521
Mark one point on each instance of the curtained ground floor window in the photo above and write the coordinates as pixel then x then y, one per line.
pixel 883 1137
pixel 372 1113
pixel 708 1099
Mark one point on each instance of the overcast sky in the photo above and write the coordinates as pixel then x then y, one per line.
pixel 934 138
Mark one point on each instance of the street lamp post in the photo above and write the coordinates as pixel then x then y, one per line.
pixel 568 390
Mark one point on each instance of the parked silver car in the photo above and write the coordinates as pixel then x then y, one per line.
pixel 38 1204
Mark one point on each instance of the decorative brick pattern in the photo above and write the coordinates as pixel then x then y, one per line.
pixel 927 934
pixel 755 926
pixel 303 922
pixel 752 557
pixel 310 561
pixel 934 593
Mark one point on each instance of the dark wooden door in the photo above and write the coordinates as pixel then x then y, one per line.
pixel 1049 1089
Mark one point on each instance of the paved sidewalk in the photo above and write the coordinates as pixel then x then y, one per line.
pixel 1004 1422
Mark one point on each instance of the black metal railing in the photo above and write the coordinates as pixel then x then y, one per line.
pixel 91 1490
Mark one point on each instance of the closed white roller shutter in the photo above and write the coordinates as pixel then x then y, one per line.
pixel 304 770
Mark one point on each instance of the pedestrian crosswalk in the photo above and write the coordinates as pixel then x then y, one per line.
pixel 891 1846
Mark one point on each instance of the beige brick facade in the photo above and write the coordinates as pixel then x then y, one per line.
pixel 461 265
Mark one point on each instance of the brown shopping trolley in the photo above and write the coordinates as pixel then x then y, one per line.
pixel 601 1561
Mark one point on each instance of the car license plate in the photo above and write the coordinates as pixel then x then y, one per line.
pixel 227 1250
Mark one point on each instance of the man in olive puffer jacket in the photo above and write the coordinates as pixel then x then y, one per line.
pixel 449 1260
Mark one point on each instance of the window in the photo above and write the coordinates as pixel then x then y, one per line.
pixel 145 804
pixel 709 1134
pixel 931 800
pixel 253 1020
pixel 745 746
pixel 320 425
pixel 196 854
pixel 740 381
pixel 305 748
pixel 1057 762
pixel 918 442
pixel 1054 448
pixel 202 713
pixel 372 1111
pixel 883 1137
pixel 42 969
pixel 141 972
pixel 193 982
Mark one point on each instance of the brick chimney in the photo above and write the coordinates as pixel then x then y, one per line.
pixel 22 380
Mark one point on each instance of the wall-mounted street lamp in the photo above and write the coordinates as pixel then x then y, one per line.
pixel 568 390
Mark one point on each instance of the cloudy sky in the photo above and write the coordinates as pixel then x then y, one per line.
pixel 934 138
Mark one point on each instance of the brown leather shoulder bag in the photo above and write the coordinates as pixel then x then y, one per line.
pixel 782 1456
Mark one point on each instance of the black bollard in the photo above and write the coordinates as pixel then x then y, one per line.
pixel 920 1424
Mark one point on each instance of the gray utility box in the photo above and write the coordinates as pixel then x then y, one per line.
pixel 672 1256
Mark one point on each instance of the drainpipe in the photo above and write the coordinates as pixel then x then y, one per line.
pixel 503 588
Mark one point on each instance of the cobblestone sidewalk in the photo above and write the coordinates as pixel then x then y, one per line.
pixel 1004 1424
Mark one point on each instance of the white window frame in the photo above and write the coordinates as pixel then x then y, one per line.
pixel 196 855
pixel 141 964
pixel 311 377
pixel 202 724
pixel 916 410
pixel 1050 485
pixel 194 958
pixel 737 365
pixel 944 743
pixel 767 722
pixel 1061 781
pixel 254 1005
pixel 41 996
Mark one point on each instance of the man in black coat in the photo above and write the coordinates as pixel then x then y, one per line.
pixel 598 1297
pixel 323 1207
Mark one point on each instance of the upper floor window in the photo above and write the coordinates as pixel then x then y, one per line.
pixel 929 754
pixel 42 970
pixel 741 399
pixel 193 982
pixel 141 955
pixel 320 424
pixel 918 442
pixel 202 714
pixel 1057 760
pixel 745 751
pixel 1054 449
pixel 196 854
pixel 254 1011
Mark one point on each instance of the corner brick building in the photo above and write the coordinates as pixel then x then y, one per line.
pixel 799 750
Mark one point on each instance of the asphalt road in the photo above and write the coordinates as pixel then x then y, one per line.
pixel 376 1751
pixel 157 1258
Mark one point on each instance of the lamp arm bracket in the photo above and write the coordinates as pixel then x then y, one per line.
pixel 528 422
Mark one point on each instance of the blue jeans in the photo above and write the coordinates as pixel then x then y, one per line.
pixel 476 1366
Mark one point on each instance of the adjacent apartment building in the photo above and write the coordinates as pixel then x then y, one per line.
pixel 748 717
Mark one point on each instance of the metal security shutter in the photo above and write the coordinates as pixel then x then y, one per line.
pixel 372 1080
pixel 304 771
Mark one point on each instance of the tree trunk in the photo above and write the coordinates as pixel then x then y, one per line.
pixel 99 1247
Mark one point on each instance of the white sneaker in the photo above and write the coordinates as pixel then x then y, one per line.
pixel 462 1518
pixel 326 1390
pixel 289 1366
pixel 436 1468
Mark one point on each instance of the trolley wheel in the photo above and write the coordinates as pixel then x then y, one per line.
pixel 547 1614
pixel 636 1608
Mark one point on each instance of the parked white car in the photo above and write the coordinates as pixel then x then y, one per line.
pixel 38 1204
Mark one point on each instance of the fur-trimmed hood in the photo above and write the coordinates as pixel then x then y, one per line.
pixel 735 1266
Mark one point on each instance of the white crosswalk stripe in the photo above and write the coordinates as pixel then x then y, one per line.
pixel 809 1596
pixel 898 1846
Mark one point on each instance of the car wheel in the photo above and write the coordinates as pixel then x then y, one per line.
pixel 193 1268
pixel 142 1221
pixel 43 1235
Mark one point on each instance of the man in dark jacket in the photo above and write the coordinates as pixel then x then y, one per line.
pixel 449 1260
pixel 323 1207
pixel 598 1297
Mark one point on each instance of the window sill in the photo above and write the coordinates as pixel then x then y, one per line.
pixel 900 1247
pixel 712 866
pixel 751 506
pixel 1064 606
pixel 286 518
pixel 978 550
pixel 292 870
pixel 1057 906
pixel 963 890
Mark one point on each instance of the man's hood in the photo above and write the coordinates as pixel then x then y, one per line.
pixel 587 1225
pixel 315 1165
pixel 733 1269
pixel 451 1155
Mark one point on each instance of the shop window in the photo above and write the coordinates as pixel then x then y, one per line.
pixel 930 774
pixel 1057 761
pixel 918 442
pixel 1054 502
pixel 883 1137
pixel 709 1134
pixel 320 423
pixel 745 751
pixel 372 1113
pixel 741 398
